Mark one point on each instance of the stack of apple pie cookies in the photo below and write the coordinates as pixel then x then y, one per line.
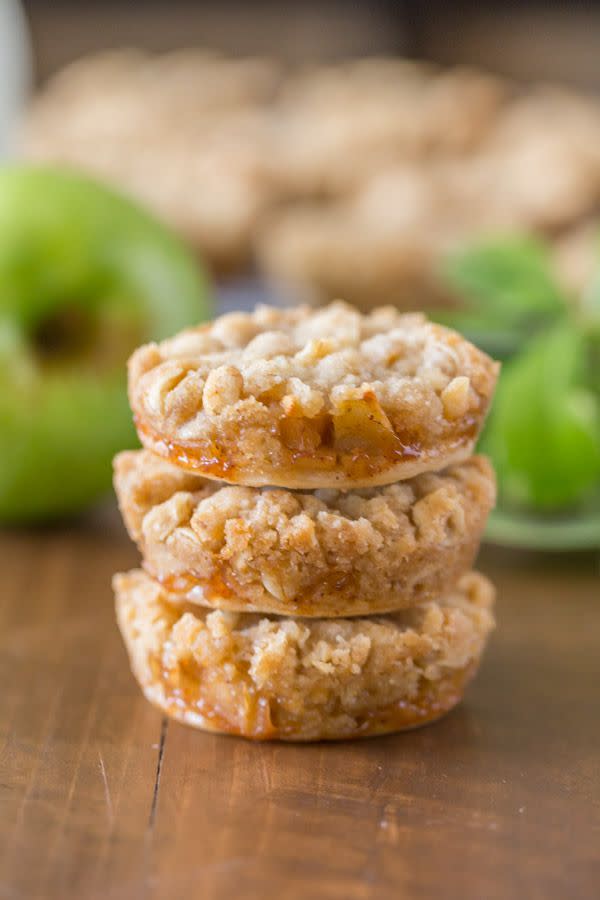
pixel 308 509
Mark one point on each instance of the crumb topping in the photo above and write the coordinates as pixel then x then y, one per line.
pixel 330 378
pixel 326 550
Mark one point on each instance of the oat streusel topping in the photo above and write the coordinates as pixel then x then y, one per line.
pixel 324 553
pixel 312 398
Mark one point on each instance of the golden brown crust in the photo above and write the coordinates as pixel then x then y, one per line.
pixel 305 399
pixel 323 554
pixel 297 679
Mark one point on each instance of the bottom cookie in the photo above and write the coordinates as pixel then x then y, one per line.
pixel 271 677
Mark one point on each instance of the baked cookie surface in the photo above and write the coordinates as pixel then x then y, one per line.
pixel 305 398
pixel 321 554
pixel 267 677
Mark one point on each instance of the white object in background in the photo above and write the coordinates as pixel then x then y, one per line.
pixel 15 71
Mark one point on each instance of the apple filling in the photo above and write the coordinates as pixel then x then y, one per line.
pixel 192 587
pixel 433 700
pixel 233 706
pixel 226 704
pixel 357 437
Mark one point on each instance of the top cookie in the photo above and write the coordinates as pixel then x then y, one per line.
pixel 304 398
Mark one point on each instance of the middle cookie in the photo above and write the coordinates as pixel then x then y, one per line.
pixel 322 553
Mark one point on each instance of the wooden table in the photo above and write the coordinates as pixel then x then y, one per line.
pixel 103 798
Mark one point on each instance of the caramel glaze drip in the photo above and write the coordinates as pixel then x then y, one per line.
pixel 434 700
pixel 214 460
pixel 184 686
pixel 327 596
pixel 187 688
pixel 218 588
pixel 206 457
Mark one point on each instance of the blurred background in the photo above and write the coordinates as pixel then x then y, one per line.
pixel 527 40
pixel 434 157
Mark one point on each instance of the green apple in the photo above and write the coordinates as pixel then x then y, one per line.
pixel 85 277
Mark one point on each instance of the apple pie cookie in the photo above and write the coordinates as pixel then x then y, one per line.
pixel 266 677
pixel 306 399
pixel 323 553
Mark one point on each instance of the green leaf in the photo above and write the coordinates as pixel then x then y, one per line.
pixel 498 339
pixel 590 307
pixel 578 531
pixel 509 279
pixel 544 432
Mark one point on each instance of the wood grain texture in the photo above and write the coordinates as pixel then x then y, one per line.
pixel 100 797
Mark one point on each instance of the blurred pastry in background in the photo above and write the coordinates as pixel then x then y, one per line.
pixel 550 109
pixel 372 248
pixel 125 91
pixel 384 244
pixel 460 107
pixel 577 257
pixel 353 179
pixel 209 187
pixel 184 133
pixel 333 122
pixel 336 125
pixel 544 159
